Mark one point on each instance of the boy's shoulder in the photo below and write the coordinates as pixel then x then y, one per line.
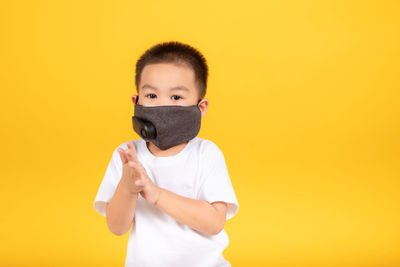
pixel 207 151
pixel 205 146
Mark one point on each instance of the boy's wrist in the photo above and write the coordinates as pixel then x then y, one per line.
pixel 158 195
pixel 126 186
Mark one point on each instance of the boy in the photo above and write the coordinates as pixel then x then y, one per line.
pixel 171 186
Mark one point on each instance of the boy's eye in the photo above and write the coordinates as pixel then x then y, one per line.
pixel 151 95
pixel 176 97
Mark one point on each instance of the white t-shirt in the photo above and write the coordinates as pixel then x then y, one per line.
pixel 156 239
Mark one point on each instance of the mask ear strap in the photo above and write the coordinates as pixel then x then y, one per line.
pixel 198 101
pixel 137 99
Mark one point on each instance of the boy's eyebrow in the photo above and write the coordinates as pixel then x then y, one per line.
pixel 149 86
pixel 179 87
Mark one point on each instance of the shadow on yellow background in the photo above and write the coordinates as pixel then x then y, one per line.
pixel 304 103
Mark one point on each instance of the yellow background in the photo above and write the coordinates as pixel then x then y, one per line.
pixel 304 103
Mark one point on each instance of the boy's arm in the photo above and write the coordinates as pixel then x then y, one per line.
pixel 197 214
pixel 120 211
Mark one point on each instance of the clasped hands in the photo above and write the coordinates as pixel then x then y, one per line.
pixel 134 176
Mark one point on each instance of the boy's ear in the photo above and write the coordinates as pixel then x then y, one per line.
pixel 203 105
pixel 134 98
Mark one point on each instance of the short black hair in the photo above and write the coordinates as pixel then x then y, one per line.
pixel 175 52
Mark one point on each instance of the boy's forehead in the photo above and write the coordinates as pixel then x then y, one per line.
pixel 167 76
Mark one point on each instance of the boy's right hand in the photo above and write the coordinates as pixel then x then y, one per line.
pixel 131 168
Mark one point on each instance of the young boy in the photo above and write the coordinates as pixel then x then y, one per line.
pixel 171 186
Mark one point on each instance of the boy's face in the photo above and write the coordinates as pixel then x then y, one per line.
pixel 169 84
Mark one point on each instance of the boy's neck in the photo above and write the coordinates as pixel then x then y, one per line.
pixel 165 153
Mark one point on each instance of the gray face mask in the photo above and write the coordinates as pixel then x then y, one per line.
pixel 166 126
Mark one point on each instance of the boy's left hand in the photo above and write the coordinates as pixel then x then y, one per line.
pixel 151 191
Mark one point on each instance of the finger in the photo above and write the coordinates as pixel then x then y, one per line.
pixel 136 168
pixel 131 152
pixel 121 152
pixel 142 170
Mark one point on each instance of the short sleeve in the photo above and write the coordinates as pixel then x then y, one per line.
pixel 216 184
pixel 109 183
